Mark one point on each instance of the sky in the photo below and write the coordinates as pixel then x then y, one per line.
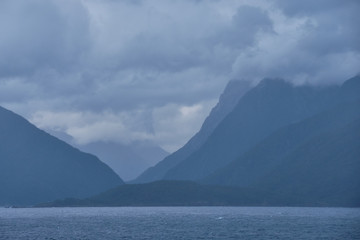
pixel 133 70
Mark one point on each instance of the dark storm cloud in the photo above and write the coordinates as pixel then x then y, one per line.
pixel 309 7
pixel 175 50
pixel 246 23
pixel 41 34
pixel 125 70
pixel 335 27
pixel 319 45
pixel 159 53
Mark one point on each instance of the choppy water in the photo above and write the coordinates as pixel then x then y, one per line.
pixel 180 223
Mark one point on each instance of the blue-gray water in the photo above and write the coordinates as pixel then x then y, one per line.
pixel 180 223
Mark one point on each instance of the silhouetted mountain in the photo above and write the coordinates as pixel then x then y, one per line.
pixel 37 167
pixel 228 100
pixel 167 193
pixel 269 106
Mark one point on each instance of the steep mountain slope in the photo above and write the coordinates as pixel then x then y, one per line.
pixel 127 160
pixel 264 109
pixel 37 167
pixel 268 155
pixel 312 160
pixel 228 100
pixel 322 171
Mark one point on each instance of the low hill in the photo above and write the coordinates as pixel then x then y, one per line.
pixel 167 193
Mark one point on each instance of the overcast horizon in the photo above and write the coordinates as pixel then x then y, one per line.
pixel 126 71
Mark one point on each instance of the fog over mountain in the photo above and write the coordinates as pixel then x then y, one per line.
pixel 128 161
pixel 126 71
pixel 280 145
pixel 270 105
pixel 109 76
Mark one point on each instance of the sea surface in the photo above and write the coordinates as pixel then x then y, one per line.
pixel 180 223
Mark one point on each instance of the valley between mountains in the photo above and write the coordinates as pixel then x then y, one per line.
pixel 273 144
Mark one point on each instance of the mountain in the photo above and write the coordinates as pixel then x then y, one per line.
pixel 167 193
pixel 129 160
pixel 322 171
pixel 234 90
pixel 268 155
pixel 315 161
pixel 302 148
pixel 37 167
pixel 272 104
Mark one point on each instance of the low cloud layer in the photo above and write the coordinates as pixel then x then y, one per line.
pixel 123 71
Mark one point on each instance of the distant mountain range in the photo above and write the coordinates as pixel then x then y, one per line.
pixel 127 160
pixel 37 167
pixel 300 142
pixel 273 144
pixel 249 119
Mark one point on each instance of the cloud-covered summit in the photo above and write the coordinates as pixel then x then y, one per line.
pixel 123 71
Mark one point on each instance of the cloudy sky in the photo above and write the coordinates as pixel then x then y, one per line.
pixel 128 70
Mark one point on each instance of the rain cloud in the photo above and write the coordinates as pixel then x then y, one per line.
pixel 123 71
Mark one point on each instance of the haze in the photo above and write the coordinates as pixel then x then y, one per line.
pixel 127 71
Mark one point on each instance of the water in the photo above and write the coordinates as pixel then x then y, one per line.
pixel 180 223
